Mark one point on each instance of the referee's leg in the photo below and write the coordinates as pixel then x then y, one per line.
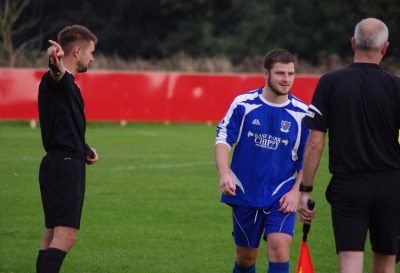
pixel 385 223
pixel 56 243
pixel 398 252
pixel 62 184
pixel 383 263
pixel 64 238
pixel 44 245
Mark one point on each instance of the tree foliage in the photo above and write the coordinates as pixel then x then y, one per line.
pixel 14 26
pixel 156 29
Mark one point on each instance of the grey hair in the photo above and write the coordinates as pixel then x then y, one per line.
pixel 370 34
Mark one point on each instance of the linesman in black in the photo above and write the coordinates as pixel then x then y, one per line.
pixel 359 106
pixel 63 123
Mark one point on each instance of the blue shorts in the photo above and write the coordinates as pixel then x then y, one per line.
pixel 249 224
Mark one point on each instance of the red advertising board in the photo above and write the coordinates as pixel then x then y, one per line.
pixel 143 97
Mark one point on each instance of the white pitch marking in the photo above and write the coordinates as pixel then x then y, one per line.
pixel 163 166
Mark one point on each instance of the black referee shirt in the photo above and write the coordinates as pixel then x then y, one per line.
pixel 359 105
pixel 61 114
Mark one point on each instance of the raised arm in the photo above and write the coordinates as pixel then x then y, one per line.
pixel 56 65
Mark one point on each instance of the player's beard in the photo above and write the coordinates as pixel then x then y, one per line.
pixel 275 90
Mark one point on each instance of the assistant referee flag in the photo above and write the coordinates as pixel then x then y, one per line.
pixel 304 264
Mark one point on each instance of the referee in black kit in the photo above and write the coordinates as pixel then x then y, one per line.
pixel 359 106
pixel 62 121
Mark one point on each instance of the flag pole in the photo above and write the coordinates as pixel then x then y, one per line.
pixel 306 227
pixel 304 264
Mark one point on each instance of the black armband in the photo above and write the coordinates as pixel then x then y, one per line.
pixel 304 188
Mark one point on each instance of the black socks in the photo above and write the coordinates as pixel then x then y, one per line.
pixel 39 259
pixel 51 260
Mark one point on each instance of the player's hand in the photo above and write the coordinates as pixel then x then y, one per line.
pixel 227 184
pixel 305 214
pixel 93 157
pixel 56 55
pixel 289 201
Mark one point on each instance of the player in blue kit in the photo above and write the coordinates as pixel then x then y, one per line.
pixel 262 182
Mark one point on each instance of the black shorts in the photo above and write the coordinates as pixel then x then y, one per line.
pixel 62 187
pixel 366 202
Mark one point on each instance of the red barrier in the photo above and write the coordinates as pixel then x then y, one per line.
pixel 151 96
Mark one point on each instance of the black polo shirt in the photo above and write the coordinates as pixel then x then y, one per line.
pixel 359 105
pixel 61 114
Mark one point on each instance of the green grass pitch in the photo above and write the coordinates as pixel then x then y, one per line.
pixel 152 204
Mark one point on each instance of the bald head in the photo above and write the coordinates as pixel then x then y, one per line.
pixel 370 34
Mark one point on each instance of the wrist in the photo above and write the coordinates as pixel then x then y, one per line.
pixel 224 172
pixel 223 169
pixel 305 188
pixel 55 73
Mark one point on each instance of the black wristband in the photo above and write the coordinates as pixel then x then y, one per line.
pixel 53 67
pixel 304 188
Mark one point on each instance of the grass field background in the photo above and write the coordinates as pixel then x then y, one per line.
pixel 152 204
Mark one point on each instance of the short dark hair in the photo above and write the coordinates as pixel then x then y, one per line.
pixel 75 33
pixel 278 55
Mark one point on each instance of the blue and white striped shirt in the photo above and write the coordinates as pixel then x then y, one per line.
pixel 270 140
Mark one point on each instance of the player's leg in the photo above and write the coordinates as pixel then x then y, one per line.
pixel 278 247
pixel 246 258
pixel 279 229
pixel 247 232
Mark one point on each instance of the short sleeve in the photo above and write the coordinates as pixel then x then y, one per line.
pixel 317 116
pixel 228 128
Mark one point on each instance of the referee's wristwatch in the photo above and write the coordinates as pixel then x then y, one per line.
pixel 304 188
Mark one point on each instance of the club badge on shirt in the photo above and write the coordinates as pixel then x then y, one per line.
pixel 285 125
